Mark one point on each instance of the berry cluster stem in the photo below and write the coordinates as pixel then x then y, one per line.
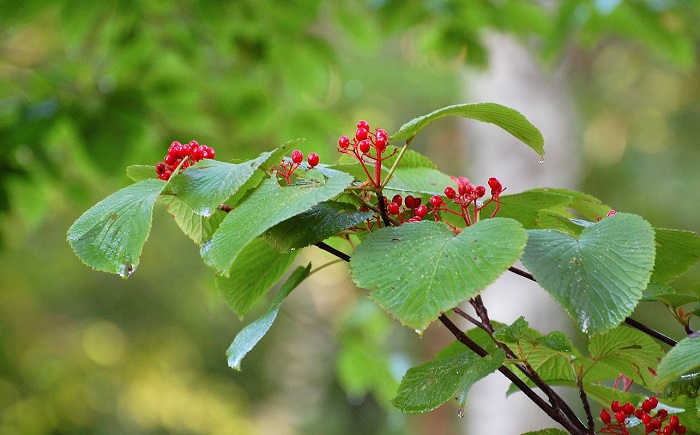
pixel 396 163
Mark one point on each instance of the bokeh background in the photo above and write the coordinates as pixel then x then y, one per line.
pixel 88 88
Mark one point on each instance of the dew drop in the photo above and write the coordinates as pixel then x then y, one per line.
pixel 205 211
pixel 541 159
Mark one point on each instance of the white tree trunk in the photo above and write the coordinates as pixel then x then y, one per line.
pixel 514 79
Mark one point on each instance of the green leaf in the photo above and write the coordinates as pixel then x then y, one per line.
pixel 681 359
pixel 587 206
pixel 141 172
pixel 420 180
pixel 511 333
pixel 686 385
pixel 265 207
pixel 628 351
pixel 508 119
pixel 599 278
pixel 428 386
pixel 320 222
pixel 209 183
pixel 524 207
pixel 109 236
pixel 418 270
pixel 549 431
pixel 246 340
pixel 255 270
pixel 557 340
pixel 676 252
pixel 195 226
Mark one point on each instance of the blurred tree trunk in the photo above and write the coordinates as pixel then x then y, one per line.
pixel 513 78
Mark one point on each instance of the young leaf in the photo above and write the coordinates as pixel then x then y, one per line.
pixel 418 270
pixel 109 236
pixel 676 252
pixel 320 222
pixel 265 207
pixel 525 206
pixel 628 351
pixel 428 386
pixel 141 172
pixel 255 270
pixel 511 333
pixel 508 119
pixel 210 182
pixel 195 226
pixel 599 277
pixel 246 340
pixel 681 359
pixel 419 180
pixel 589 207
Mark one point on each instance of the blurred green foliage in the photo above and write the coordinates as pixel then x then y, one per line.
pixel 88 88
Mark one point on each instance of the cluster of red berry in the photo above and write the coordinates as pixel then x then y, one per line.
pixel 287 167
pixel 361 146
pixel 413 210
pixel 467 195
pixel 652 424
pixel 187 154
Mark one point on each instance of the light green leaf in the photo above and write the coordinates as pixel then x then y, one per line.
pixel 511 333
pixel 676 252
pixel 587 206
pixel 524 207
pixel 420 180
pixel 320 222
pixel 681 359
pixel 141 172
pixel 246 340
pixel 508 119
pixel 195 226
pixel 686 385
pixel 255 270
pixel 428 386
pixel 418 270
pixel 265 207
pixel 209 183
pixel 599 278
pixel 109 236
pixel 628 351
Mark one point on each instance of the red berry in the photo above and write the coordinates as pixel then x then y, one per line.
pixel 616 406
pixel 411 202
pixel 450 192
pixel 638 413
pixel 436 201
pixel 421 211
pixel 673 421
pixel 680 429
pixel 397 199
pixel 183 151
pixel 343 142
pixel 297 156
pixel 393 208
pixel 620 416
pixel 655 423
pixel 365 146
pixel 654 402
pixel 198 153
pixel 661 413
pixel 668 430
pixel 363 124
pixel 605 416
pixel 628 408
pixel 164 176
pixel 646 418
pixel 194 144
pixel 480 191
pixel 415 219
pixel 495 185
pixel 160 167
pixel 647 406
pixel 380 143
pixel 361 134
pixel 381 133
pixel 313 159
pixel 363 208
pixel 211 153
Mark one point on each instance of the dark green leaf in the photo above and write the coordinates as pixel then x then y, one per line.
pixel 676 252
pixel 246 340
pixel 265 207
pixel 428 386
pixel 686 385
pixel 599 278
pixel 254 271
pixel 418 270
pixel 320 222
pixel 109 236
pixel 506 118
